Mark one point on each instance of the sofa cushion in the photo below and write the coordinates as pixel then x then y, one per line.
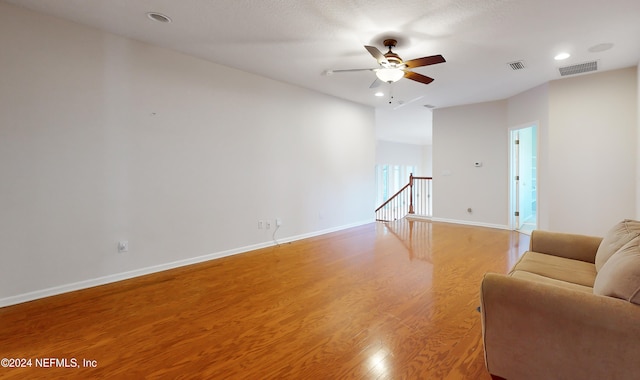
pixel 617 236
pixel 558 268
pixel 620 275
pixel 550 281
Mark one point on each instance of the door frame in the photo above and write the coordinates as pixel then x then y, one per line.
pixel 514 223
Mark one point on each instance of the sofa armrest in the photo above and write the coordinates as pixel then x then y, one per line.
pixel 571 246
pixel 540 331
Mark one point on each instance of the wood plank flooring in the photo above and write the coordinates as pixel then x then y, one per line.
pixel 380 301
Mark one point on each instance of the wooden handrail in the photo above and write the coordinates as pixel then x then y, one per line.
pixel 393 196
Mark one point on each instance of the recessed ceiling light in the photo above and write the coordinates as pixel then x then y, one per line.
pixel 562 56
pixel 155 16
pixel 379 94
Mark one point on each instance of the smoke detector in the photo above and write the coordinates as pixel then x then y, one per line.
pixel 159 17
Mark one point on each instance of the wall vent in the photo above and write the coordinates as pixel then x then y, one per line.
pixel 517 65
pixel 579 68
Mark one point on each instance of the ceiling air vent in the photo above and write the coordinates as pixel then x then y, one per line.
pixel 579 68
pixel 517 65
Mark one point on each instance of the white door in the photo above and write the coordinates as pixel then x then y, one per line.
pixel 524 178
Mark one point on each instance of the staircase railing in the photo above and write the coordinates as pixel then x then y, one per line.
pixel 422 190
pixel 413 198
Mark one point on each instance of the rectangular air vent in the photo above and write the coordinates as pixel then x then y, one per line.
pixel 517 65
pixel 579 68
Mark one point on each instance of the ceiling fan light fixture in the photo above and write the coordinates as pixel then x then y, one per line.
pixel 389 75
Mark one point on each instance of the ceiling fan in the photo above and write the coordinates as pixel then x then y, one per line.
pixel 393 68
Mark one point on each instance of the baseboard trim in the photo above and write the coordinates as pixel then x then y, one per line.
pixel 471 223
pixel 424 218
pixel 418 217
pixel 66 288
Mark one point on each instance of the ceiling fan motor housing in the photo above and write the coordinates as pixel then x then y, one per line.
pixel 393 58
pixel 390 43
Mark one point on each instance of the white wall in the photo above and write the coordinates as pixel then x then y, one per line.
pixel 527 108
pixel 464 135
pixel 394 153
pixel 592 151
pixel 104 139
pixel 588 153
pixel 427 163
pixel 409 125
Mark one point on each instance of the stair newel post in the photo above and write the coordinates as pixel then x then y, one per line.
pixel 411 193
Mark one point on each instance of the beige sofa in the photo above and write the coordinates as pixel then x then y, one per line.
pixel 569 309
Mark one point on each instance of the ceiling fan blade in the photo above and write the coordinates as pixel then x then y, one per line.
pixel 417 77
pixel 329 72
pixel 376 83
pixel 377 54
pixel 425 61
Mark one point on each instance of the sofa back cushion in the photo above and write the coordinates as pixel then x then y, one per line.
pixel 620 275
pixel 617 237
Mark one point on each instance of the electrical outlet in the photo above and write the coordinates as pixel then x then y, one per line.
pixel 260 224
pixel 123 246
pixel 268 224
pixel 278 222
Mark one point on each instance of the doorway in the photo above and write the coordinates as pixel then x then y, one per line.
pixel 523 181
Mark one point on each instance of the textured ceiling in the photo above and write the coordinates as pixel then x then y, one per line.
pixel 296 41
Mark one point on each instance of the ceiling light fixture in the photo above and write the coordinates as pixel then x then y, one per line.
pixel 390 75
pixel 155 16
pixel 600 47
pixel 379 94
pixel 562 56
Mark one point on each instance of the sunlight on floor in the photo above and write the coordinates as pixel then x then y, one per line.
pixel 528 226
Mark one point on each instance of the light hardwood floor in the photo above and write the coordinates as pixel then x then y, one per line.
pixel 395 301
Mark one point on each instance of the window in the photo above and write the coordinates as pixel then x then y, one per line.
pixel 390 179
